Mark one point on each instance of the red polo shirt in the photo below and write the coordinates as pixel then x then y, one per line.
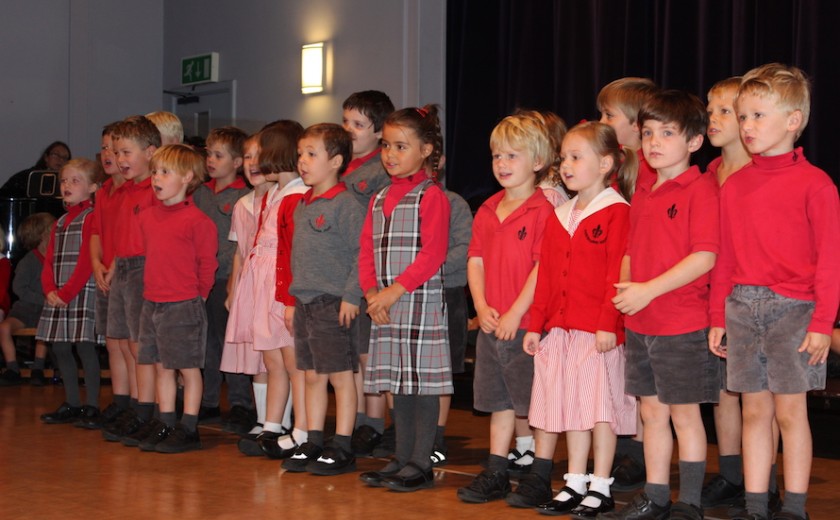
pixel 105 214
pixel 137 197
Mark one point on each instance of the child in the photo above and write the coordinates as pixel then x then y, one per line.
pixel 403 247
pixel 673 242
pixel 502 271
pixel 5 278
pixel 67 281
pixel 257 318
pixel 552 186
pixel 135 140
pixel 579 365
pixel 180 244
pixel 34 233
pixel 619 103
pixel 170 127
pixel 776 290
pixel 325 285
pixel 363 116
pixel 102 240
pixel 217 198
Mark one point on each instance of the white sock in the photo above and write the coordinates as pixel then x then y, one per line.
pixel 256 430
pixel 523 445
pixel 599 484
pixel 297 438
pixel 576 481
pixel 273 427
pixel 260 391
pixel 287 413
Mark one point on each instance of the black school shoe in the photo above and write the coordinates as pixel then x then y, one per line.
pixel 561 507
pixel 486 486
pixel 89 415
pixel 629 474
pixel 640 508
pixel 37 378
pixel 365 438
pixel 240 421
pixel 684 511
pixel 374 478
pixel 107 416
pixel 179 441
pixel 126 422
pixel 134 439
pixel 423 479
pixel 306 453
pixel 332 461
pixel 10 378
pixel 607 504
pixel 515 469
pixel 721 492
pixel 532 491
pixel 271 448
pixel 63 414
pixel 250 446
pixel 158 435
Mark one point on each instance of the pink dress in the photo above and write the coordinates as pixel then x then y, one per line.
pixel 575 386
pixel 256 317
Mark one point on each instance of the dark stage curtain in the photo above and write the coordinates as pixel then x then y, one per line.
pixel 556 55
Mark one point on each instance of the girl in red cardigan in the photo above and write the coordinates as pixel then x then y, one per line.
pixel 579 366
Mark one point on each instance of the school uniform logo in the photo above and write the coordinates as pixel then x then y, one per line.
pixel 595 235
pixel 361 188
pixel 320 224
pixel 672 212
pixel 136 209
pixel 522 233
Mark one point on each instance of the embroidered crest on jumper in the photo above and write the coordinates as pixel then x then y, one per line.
pixel 522 233
pixel 320 224
pixel 672 211
pixel 226 209
pixel 595 235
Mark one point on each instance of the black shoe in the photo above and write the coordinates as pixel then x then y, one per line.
pixel 10 378
pixel 423 479
pixel 374 478
pixel 89 415
pixel 743 514
pixel 629 474
pixel 532 491
pixel 251 446
pixel 721 492
pixel 63 414
pixel 439 456
pixel 37 378
pixel 607 504
pixel 365 439
pixel 487 486
pixel 306 453
pixel 179 441
pixel 240 420
pixel 785 515
pixel 209 414
pixel 158 435
pixel 332 461
pixel 561 507
pixel 515 469
pixel 133 439
pixel 110 414
pixel 387 444
pixel 640 508
pixel 126 422
pixel 271 447
pixel 684 511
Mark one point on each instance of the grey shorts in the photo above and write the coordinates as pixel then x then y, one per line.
pixel 125 301
pixel 764 331
pixel 27 313
pixel 504 374
pixel 360 332
pixel 101 317
pixel 321 343
pixel 456 312
pixel 173 334
pixel 678 369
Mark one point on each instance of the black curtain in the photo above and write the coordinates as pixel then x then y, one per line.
pixel 557 54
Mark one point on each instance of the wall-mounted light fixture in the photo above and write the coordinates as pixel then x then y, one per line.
pixel 312 68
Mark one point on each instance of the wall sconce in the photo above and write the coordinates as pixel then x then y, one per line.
pixel 312 68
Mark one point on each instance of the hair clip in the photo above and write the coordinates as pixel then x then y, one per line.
pixel 582 121
pixel 422 111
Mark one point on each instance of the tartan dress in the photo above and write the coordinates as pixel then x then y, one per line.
pixel 410 355
pixel 74 323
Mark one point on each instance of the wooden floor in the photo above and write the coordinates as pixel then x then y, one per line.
pixel 58 471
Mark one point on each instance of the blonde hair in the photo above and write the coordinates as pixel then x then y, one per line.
pixel 525 132
pixel 788 84
pixel 733 83
pixel 168 125
pixel 627 94
pixel 601 137
pixel 181 158
pixel 91 169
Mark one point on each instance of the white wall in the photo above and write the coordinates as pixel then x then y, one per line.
pixel 373 44
pixel 72 66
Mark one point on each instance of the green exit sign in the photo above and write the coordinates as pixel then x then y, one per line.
pixel 200 69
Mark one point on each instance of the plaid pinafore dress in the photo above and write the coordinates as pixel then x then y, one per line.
pixel 410 355
pixel 74 323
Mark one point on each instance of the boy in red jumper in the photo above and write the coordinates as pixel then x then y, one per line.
pixel 776 288
pixel 181 244
pixel 674 239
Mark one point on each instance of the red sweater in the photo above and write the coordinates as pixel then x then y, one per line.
pixel 285 233
pixel 780 228
pixel 576 274
pixel 105 214
pixel 82 272
pixel 137 197
pixel 434 234
pixel 180 243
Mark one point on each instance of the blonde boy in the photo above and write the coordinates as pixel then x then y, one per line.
pixel 170 127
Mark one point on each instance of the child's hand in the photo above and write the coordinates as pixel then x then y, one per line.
pixel 347 313
pixel 605 341
pixel 488 318
pixel 99 274
pixel 109 275
pixel 380 303
pixel 716 345
pixel 508 325
pixel 817 345
pixel 54 301
pixel 378 316
pixel 632 297
pixel 288 319
pixel 531 343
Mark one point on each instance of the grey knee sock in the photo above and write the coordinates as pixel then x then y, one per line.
pixel 403 415
pixel 168 418
pixel 361 419
pixel 756 503
pixel 732 468
pixel 542 467
pixel 795 503
pixel 316 437
pixel 90 364
pixel 427 409
pixel 691 481
pixel 189 422
pixel 69 372
pixel 377 424
pixel 659 493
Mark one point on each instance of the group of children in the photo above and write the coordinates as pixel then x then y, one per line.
pixel 610 277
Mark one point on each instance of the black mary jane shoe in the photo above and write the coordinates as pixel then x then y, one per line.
pixel 558 507
pixel 423 479
pixel 374 478
pixel 607 504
